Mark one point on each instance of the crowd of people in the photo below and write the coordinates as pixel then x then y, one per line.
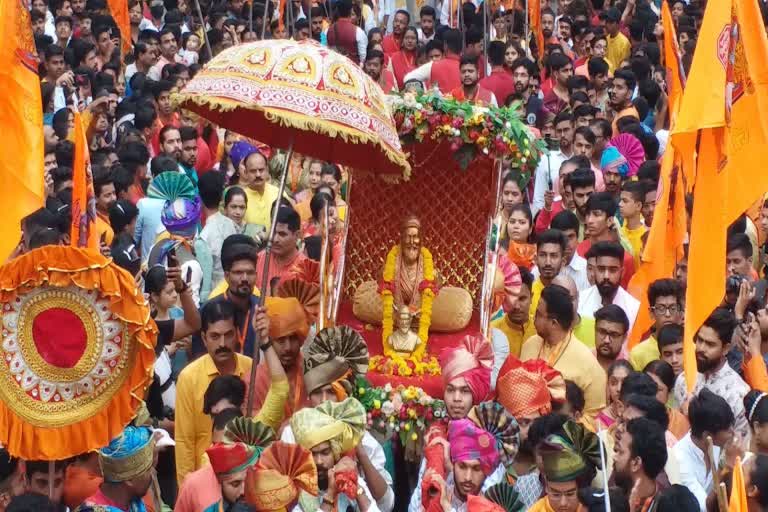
pixel 186 207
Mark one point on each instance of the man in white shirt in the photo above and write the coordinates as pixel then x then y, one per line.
pixel 574 266
pixel 609 265
pixel 548 171
pixel 713 342
pixel 709 415
pixel 426 28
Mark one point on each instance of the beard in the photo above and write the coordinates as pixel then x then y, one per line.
pixel 704 365
pixel 623 480
pixel 607 289
pixel 547 33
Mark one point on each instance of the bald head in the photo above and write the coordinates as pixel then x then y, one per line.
pixel 569 284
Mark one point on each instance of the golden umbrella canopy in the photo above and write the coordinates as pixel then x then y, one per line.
pixel 301 95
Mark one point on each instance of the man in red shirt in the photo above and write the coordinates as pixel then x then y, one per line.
pixel 500 81
pixel 442 72
pixel 470 90
pixel 556 99
pixel 391 42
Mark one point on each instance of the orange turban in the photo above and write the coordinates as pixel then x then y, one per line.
pixel 472 360
pixel 286 318
pixel 282 473
pixel 228 458
pixel 526 388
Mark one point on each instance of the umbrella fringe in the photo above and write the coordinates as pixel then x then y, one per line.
pixel 298 121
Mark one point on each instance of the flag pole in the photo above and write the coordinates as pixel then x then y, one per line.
pixel 205 32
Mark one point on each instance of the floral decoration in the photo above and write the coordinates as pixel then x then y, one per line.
pixel 401 413
pixel 427 288
pixel 405 366
pixel 471 130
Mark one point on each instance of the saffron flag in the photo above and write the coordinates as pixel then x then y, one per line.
pixel 21 123
pixel 119 11
pixel 83 232
pixel 738 500
pixel 724 117
pixel 534 25
pixel 664 247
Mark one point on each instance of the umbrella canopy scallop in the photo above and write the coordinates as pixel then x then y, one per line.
pixel 281 91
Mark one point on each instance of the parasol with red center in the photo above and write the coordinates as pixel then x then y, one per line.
pixel 286 93
pixel 77 352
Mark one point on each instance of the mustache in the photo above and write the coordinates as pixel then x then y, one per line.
pixel 223 350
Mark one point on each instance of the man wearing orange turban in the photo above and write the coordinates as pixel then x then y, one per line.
pixel 283 474
pixel 288 328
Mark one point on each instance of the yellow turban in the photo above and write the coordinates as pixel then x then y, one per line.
pixel 286 318
pixel 340 423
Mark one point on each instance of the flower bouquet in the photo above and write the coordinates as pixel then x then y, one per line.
pixel 401 413
pixel 471 130
pixel 405 366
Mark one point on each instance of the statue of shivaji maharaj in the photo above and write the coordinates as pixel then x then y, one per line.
pixel 410 281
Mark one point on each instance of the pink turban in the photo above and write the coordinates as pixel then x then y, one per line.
pixel 472 360
pixel 470 442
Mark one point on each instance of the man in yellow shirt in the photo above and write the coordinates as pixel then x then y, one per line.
pixel 104 191
pixel 631 208
pixel 550 251
pixel 219 333
pixel 583 326
pixel 516 323
pixel 619 47
pixel 620 98
pixel 260 192
pixel 666 298
pixel 560 349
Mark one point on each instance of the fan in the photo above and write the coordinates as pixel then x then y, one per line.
pixel 494 418
pixel 308 294
pixel 170 186
pixel 506 496
pixel 249 431
pixel 631 149
pixel 338 342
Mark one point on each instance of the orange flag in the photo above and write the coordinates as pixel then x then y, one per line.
pixel 725 108
pixel 119 11
pixel 21 123
pixel 738 500
pixel 83 231
pixel 534 24
pixel 666 237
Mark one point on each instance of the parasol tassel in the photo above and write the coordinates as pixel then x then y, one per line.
pixel 265 275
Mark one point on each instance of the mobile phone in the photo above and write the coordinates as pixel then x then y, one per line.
pixel 172 259
pixel 188 277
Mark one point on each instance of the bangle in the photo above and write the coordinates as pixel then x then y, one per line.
pixel 265 346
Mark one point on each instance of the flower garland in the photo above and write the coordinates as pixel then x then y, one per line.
pixel 471 130
pixel 401 413
pixel 427 288
pixel 396 364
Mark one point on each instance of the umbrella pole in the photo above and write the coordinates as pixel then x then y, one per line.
pixel 264 21
pixel 250 16
pixel 265 277
pixel 205 32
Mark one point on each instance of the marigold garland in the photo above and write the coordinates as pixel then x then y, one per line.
pixel 427 289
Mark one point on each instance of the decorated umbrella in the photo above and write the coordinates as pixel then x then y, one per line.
pixel 77 352
pixel 300 96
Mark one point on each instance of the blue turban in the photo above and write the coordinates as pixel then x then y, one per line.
pixel 129 455
pixel 240 151
pixel 612 160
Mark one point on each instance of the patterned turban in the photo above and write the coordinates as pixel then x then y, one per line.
pixel 527 388
pixel 470 442
pixel 229 458
pixel 472 360
pixel 340 423
pixel 570 455
pixel 286 318
pixel 335 357
pixel 129 455
pixel 181 216
pixel 283 472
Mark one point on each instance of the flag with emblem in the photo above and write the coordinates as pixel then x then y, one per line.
pixel 724 118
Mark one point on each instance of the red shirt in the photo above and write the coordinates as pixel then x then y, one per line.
pixel 402 63
pixel 629 262
pixel 500 83
pixel 445 72
pixel 482 96
pixel 390 44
